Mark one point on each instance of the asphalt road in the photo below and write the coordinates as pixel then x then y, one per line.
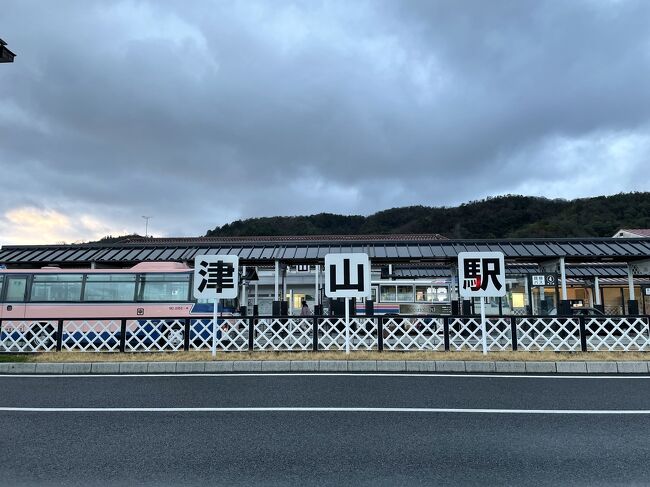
pixel 383 430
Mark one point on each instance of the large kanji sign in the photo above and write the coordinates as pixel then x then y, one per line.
pixel 347 276
pixel 216 276
pixel 481 274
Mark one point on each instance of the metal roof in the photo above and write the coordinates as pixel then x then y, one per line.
pixel 389 237
pixel 641 232
pixel 576 271
pixel 311 249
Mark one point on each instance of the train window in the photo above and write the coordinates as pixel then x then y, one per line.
pixel 442 293
pixel 225 305
pixel 16 287
pixel 424 294
pixel 405 293
pixel 2 278
pixel 165 287
pixel 56 287
pixel 388 293
pixel 109 287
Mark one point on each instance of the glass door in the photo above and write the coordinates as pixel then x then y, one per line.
pixel 544 301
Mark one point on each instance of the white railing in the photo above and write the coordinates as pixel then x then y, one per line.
pixel 465 334
pixel 91 335
pixel 404 333
pixel 415 333
pixel 28 336
pixel 362 334
pixel 154 335
pixel 232 334
pixel 615 333
pixel 548 334
pixel 294 334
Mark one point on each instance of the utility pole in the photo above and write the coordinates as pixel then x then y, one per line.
pixel 146 225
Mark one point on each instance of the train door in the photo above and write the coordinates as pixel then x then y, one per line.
pixel 14 293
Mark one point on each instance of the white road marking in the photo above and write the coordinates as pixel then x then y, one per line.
pixel 332 374
pixel 326 410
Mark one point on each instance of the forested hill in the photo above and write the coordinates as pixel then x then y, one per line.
pixel 504 216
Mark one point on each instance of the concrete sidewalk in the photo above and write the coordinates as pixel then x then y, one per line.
pixel 238 366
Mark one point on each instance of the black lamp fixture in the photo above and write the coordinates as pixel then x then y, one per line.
pixel 6 56
pixel 251 275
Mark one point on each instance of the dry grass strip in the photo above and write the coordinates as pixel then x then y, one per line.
pixel 357 355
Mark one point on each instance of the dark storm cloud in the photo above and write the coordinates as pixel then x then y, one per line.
pixel 202 112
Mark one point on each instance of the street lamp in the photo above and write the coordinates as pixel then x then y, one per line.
pixel 6 56
pixel 146 225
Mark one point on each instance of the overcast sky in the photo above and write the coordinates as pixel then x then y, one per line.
pixel 199 113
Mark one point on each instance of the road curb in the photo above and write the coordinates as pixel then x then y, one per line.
pixel 378 366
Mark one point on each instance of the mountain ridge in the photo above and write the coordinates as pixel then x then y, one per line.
pixel 509 216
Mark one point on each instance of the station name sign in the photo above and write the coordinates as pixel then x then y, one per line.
pixel 216 276
pixel 347 276
pixel 481 274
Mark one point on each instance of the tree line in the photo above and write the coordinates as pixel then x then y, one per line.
pixel 510 216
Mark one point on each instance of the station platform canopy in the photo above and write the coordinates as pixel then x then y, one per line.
pixel 382 249
pixel 577 270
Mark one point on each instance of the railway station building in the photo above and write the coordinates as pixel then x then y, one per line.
pixel 411 274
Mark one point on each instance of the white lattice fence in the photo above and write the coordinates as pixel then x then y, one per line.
pixel 363 334
pixel 91 335
pixel 617 333
pixel 28 336
pixel 413 334
pixel 548 334
pixel 232 334
pixel 154 335
pixel 465 334
pixel 283 334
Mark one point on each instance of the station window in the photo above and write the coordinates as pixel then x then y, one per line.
pixel 56 287
pixel 164 287
pixel 297 299
pixel 613 300
pixel 109 287
pixel 518 300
